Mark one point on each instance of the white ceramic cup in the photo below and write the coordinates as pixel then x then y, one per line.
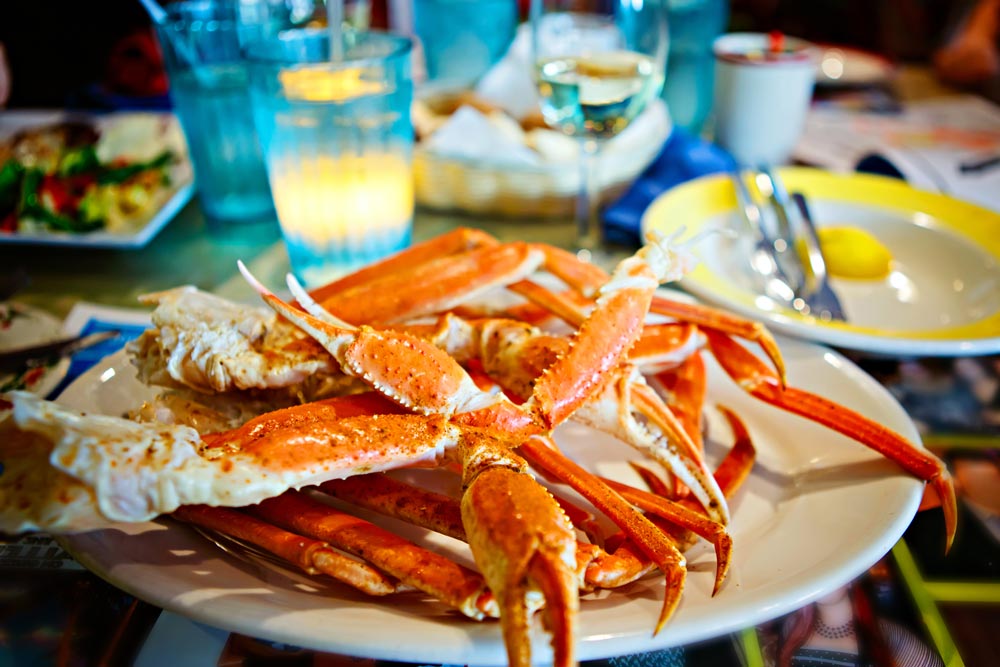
pixel 761 96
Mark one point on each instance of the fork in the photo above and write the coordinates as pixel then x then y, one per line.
pixel 785 277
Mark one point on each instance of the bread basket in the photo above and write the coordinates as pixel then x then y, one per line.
pixel 458 183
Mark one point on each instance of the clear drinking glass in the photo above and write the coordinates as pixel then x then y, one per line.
pixel 597 64
pixel 210 93
pixel 338 142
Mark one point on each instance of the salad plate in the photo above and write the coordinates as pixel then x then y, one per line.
pixel 82 180
pixel 941 294
pixel 817 511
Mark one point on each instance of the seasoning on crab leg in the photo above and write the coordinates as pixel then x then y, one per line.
pixel 420 568
pixel 718 326
pixel 760 382
pixel 68 472
pixel 553 463
pixel 312 556
pixel 522 542
pixel 588 279
pixel 596 567
pixel 516 354
pixel 419 376
pixel 434 287
pixel 446 245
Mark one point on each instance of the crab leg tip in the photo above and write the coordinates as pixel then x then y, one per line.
pixel 946 492
pixel 671 598
pixel 251 279
pixel 723 557
pixel 293 284
pixel 311 306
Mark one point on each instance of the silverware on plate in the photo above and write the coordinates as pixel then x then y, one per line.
pixel 795 279
pixel 818 294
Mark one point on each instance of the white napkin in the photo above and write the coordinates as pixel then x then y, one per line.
pixel 469 133
pixel 508 84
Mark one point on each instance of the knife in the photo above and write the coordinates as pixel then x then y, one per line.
pixel 821 298
pixel 18 359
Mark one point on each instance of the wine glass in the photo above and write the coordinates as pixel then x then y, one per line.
pixel 596 64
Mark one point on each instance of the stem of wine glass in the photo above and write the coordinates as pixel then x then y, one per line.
pixel 589 234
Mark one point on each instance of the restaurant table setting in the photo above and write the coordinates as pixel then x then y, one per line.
pixel 317 149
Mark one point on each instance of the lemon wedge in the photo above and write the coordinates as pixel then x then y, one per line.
pixel 854 253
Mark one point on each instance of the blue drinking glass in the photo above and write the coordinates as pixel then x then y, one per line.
pixel 462 39
pixel 687 90
pixel 209 87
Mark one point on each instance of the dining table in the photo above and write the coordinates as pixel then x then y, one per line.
pixel 54 611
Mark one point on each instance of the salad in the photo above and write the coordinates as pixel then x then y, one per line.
pixel 59 178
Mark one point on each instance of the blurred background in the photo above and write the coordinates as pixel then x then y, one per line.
pixel 104 55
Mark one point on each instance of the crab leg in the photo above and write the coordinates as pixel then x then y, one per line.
pixel 597 567
pixel 731 473
pixel 646 536
pixel 451 243
pixel 759 381
pixel 666 345
pixel 313 556
pixel 561 468
pixel 424 570
pixel 522 541
pixel 419 376
pixel 613 569
pixel 379 493
pixel 726 323
pixel 685 388
pixel 736 466
pixel 621 307
pixel 588 278
pixel 625 407
pixel 435 286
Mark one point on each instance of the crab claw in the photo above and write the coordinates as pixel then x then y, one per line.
pixel 759 381
pixel 525 547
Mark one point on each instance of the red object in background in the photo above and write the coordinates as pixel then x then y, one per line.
pixel 776 41
pixel 135 66
pixel 379 18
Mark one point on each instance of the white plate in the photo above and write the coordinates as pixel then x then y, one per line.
pixel 942 297
pixel 138 235
pixel 815 513
pixel 23 326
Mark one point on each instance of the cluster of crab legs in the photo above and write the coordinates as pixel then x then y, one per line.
pixel 481 392
pixel 443 370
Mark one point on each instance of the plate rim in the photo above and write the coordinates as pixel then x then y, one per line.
pixel 965 219
pixel 182 194
pixel 907 490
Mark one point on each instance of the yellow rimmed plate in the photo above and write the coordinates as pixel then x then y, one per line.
pixel 941 298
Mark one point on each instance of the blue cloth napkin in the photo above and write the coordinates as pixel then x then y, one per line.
pixel 684 157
